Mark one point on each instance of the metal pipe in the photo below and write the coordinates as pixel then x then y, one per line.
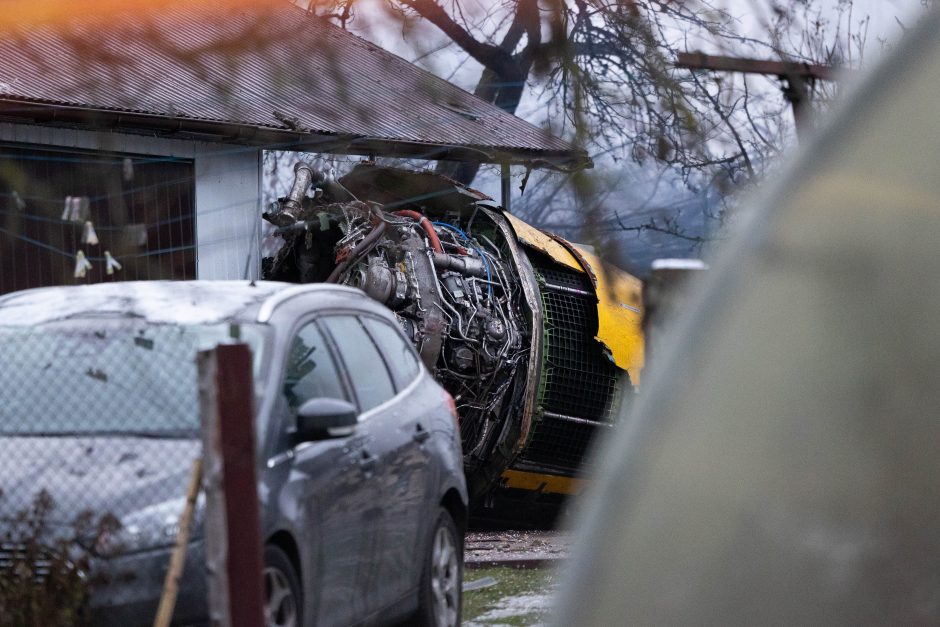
pixel 464 265
pixel 566 289
pixel 361 248
pixel 304 176
pixel 576 420
pixel 426 225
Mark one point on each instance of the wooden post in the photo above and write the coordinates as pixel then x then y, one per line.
pixel 216 548
pixel 178 558
pixel 233 522
pixel 797 75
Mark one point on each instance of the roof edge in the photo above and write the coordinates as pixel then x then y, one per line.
pixel 26 111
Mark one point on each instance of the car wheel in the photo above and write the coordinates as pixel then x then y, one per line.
pixel 442 577
pixel 283 598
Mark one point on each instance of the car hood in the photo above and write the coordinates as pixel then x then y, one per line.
pixel 158 302
pixel 101 475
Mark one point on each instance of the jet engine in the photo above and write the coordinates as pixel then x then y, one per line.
pixel 531 335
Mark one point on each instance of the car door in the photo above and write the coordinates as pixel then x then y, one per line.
pixel 400 432
pixel 375 393
pixel 327 482
pixel 406 458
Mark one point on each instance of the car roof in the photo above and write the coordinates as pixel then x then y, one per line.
pixel 164 302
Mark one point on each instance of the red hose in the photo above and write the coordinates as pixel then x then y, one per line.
pixel 426 224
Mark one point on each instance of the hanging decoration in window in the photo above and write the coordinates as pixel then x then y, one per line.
pixel 72 216
pixel 111 264
pixel 127 169
pixel 76 208
pixel 89 236
pixel 18 201
pixel 82 265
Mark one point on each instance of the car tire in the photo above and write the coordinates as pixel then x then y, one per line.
pixel 283 597
pixel 441 590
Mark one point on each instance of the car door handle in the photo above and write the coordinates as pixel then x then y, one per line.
pixel 420 434
pixel 367 461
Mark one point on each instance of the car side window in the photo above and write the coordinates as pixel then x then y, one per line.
pixel 311 371
pixel 367 371
pixel 399 355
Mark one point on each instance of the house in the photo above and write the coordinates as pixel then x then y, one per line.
pixel 131 146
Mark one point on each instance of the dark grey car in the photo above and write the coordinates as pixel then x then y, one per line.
pixel 362 524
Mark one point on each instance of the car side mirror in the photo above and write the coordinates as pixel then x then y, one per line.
pixel 322 418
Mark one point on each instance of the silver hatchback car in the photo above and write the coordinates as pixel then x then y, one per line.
pixel 362 518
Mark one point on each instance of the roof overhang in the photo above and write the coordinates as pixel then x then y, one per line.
pixel 13 110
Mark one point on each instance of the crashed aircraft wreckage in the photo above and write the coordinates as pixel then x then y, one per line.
pixel 530 334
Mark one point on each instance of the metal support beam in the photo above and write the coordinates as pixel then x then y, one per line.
pixel 505 186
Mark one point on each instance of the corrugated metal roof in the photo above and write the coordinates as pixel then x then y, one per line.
pixel 276 69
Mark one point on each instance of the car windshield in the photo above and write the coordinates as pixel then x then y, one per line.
pixel 99 376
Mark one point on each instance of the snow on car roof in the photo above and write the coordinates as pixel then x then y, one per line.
pixel 178 302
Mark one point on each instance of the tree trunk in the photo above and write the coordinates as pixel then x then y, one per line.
pixel 503 90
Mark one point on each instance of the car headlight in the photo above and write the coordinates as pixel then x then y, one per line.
pixel 152 527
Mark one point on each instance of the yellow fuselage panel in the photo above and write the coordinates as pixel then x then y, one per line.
pixel 619 313
pixel 538 482
pixel 535 238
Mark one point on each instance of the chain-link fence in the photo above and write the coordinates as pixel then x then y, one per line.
pixel 99 431
pixel 70 216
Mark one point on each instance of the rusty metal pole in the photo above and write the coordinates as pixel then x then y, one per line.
pixel 233 522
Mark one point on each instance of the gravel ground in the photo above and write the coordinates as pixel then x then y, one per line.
pixel 520 548
pixel 510 577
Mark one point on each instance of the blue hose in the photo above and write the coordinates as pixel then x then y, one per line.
pixel 486 263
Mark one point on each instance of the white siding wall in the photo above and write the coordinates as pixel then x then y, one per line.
pixel 228 186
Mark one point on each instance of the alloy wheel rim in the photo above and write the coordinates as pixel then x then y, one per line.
pixel 280 606
pixel 445 572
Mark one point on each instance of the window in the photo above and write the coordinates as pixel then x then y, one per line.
pixel 399 356
pixel 311 371
pixel 366 368
pixel 132 210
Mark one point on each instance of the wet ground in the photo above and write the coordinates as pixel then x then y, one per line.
pixel 510 576
pixel 508 596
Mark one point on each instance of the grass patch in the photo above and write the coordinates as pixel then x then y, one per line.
pixel 521 597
